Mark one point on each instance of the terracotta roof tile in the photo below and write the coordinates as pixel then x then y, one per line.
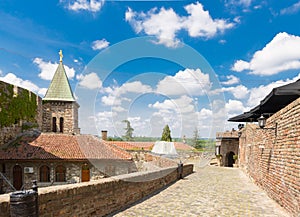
pixel 63 146
pixel 129 145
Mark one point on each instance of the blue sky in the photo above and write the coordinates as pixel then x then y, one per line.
pixel 189 64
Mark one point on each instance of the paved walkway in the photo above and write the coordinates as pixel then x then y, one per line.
pixel 210 191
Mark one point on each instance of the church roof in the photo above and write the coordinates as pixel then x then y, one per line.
pixel 50 146
pixel 59 89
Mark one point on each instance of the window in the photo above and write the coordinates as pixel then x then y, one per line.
pixel 60 174
pixel 61 125
pixel 54 129
pixel 44 174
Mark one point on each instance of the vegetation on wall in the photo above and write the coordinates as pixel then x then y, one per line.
pixel 16 106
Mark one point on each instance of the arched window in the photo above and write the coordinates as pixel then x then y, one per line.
pixel 60 174
pixel 44 174
pixel 54 129
pixel 61 125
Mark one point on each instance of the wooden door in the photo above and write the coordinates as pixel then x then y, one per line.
pixel 17 177
pixel 85 174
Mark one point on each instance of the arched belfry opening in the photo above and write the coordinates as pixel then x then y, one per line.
pixel 54 127
pixel 61 124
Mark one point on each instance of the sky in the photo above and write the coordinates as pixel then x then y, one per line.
pixel 189 64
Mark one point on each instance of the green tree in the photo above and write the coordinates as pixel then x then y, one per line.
pixel 128 131
pixel 195 139
pixel 166 134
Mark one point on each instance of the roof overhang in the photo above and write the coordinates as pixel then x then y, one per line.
pixel 277 99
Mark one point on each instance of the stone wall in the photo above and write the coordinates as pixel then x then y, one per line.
pixel 145 161
pixel 66 110
pixel 14 121
pixel 272 157
pixel 98 170
pixel 102 197
pixel 227 146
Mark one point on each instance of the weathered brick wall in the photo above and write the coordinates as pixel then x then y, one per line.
pixel 101 197
pixel 273 159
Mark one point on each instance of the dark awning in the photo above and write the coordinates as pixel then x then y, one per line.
pixel 273 102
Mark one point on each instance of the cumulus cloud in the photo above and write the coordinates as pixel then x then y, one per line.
pixel 85 5
pixel 100 44
pixel 295 8
pixel 48 69
pixel 89 81
pixel 239 92
pixel 26 84
pixel 235 106
pixel 259 93
pixel 164 23
pixel 280 54
pixel 117 94
pixel 184 104
pixel 231 79
pixel 189 81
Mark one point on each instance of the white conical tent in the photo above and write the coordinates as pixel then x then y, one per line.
pixel 164 148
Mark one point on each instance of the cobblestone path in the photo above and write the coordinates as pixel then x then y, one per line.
pixel 210 191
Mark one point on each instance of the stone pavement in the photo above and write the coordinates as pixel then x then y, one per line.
pixel 210 191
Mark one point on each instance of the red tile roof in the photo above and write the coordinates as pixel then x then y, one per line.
pixel 62 147
pixel 146 145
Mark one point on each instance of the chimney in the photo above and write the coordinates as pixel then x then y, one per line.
pixel 104 134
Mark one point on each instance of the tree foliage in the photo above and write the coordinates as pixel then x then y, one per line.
pixel 195 139
pixel 128 131
pixel 166 134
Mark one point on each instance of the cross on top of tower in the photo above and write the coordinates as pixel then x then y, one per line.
pixel 60 55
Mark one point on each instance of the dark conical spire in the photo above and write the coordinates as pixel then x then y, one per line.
pixel 59 89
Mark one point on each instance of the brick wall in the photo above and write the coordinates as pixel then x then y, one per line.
pixel 98 198
pixel 272 158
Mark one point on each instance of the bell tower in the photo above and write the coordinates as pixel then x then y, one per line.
pixel 60 109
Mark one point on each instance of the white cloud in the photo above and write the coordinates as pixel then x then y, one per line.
pixel 205 114
pixel 1 73
pixel 199 23
pixel 13 79
pixel 239 92
pixel 184 104
pixel 240 65
pixel 164 24
pixel 244 3
pixel 90 81
pixel 100 44
pixel 235 106
pixel 292 9
pixel 116 95
pixel 281 54
pixel 111 100
pixel 189 81
pixel 259 93
pixel 118 109
pixel 48 69
pixel 231 79
pixel 86 5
